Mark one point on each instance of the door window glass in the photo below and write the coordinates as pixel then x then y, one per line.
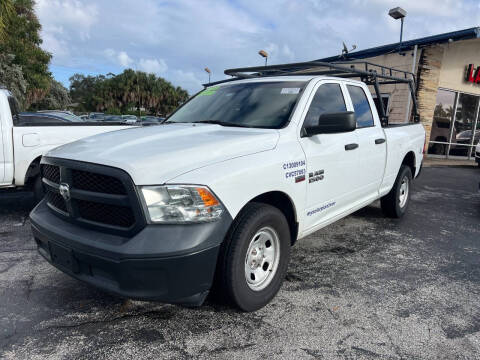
pixel 327 99
pixel 363 113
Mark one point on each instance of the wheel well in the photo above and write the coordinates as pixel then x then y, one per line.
pixel 32 171
pixel 282 202
pixel 409 160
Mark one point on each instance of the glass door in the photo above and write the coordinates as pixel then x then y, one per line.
pixel 456 124
pixel 442 122
pixel 464 125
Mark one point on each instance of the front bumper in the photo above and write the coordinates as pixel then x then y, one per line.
pixel 168 263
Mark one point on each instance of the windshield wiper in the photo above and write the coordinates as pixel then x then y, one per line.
pixel 222 123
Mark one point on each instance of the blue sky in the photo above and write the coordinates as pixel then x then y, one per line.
pixel 177 39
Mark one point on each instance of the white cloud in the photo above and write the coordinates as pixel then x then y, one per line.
pixel 188 79
pixel 189 35
pixel 63 23
pixel 153 66
pixel 124 60
pixel 120 58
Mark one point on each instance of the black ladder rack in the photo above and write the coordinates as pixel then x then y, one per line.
pixel 369 73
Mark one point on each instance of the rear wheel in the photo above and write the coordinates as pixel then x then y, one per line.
pixel 254 257
pixel 395 203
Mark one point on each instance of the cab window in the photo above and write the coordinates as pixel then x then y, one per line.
pixel 327 99
pixel 363 113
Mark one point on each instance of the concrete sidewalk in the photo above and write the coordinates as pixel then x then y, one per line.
pixel 434 162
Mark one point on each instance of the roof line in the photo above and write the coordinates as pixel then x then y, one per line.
pixel 470 33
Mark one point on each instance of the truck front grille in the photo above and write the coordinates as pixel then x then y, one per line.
pixel 104 213
pixel 51 173
pixel 55 199
pixel 91 195
pixel 89 181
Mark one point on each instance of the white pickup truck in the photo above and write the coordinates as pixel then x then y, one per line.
pixel 24 139
pixel 218 194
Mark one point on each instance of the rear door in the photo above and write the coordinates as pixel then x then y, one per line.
pixel 331 166
pixel 371 140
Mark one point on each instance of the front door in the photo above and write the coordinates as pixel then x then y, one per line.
pixel 332 160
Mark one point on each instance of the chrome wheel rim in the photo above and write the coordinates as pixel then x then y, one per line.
pixel 262 258
pixel 403 195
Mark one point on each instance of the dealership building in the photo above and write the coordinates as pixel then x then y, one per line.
pixel 447 72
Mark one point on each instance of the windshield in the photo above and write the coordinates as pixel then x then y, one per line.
pixel 256 104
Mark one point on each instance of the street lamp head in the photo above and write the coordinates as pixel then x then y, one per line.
pixel 263 53
pixel 397 13
pixel 207 70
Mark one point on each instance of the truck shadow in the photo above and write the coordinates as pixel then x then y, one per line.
pixel 13 201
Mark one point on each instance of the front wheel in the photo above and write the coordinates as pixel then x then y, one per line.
pixel 395 203
pixel 254 257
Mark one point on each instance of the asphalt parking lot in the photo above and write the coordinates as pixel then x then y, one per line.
pixel 365 287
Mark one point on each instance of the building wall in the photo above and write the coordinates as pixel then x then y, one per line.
pixel 456 57
pixel 437 66
pixel 429 72
pixel 398 93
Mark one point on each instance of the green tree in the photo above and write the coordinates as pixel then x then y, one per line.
pixel 57 98
pixel 125 93
pixel 22 39
pixel 11 76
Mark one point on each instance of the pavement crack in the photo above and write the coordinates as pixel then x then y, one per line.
pixel 365 352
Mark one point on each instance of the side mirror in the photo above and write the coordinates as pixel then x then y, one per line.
pixel 333 123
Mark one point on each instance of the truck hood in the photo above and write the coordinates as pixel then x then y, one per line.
pixel 155 154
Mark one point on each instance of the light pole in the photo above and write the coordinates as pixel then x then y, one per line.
pixel 207 70
pixel 263 54
pixel 398 13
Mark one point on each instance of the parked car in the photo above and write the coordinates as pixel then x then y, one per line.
pixel 130 119
pixel 62 114
pixel 463 141
pixel 151 120
pixel 96 116
pixel 84 117
pixel 234 178
pixel 113 118
pixel 25 137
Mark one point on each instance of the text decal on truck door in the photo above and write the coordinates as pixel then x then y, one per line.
pixel 298 174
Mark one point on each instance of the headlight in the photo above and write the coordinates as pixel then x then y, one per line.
pixel 180 204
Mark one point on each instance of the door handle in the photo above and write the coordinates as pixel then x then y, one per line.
pixel 351 146
pixel 379 141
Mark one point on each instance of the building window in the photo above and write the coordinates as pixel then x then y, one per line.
pixel 455 128
pixel 463 127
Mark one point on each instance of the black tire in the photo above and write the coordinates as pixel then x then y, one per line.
pixel 38 192
pixel 391 205
pixel 231 279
